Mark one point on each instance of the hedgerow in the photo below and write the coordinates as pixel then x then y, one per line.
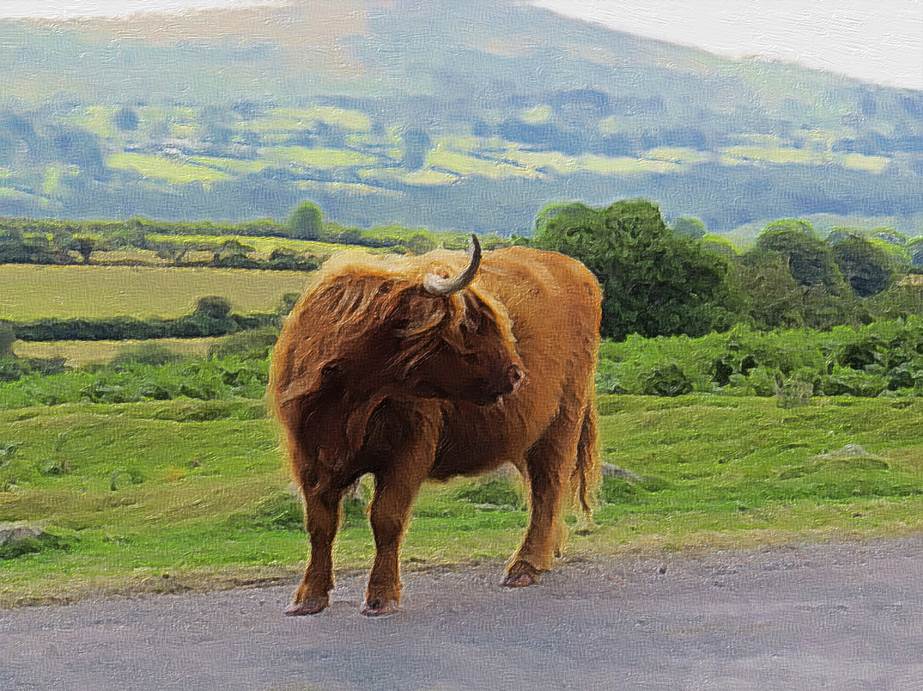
pixel 885 356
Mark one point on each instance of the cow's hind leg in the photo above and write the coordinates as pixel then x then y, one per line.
pixel 550 464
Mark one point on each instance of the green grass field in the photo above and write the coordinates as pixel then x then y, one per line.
pixel 166 496
pixel 33 292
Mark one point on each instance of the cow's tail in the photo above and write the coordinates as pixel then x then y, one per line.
pixel 588 473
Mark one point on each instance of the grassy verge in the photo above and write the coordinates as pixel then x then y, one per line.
pixel 192 494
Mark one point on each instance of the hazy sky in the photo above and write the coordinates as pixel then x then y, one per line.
pixel 107 8
pixel 875 40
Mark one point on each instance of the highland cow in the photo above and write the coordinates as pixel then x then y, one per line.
pixel 432 367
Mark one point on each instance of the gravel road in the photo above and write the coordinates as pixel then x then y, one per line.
pixel 839 616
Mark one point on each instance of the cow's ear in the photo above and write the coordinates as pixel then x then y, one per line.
pixel 399 326
pixel 474 314
pixel 418 314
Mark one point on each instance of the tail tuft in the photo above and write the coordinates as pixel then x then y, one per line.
pixel 588 472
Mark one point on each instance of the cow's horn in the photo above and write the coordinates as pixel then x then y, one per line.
pixel 437 285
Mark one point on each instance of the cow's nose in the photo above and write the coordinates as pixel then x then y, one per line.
pixel 515 376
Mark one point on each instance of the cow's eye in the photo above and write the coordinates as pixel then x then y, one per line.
pixel 331 369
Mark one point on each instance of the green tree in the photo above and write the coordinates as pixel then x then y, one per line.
pixel 281 258
pixel 231 253
pixel 416 145
pixel 306 222
pixel 7 339
pixel 772 296
pixel 420 243
pixel 129 235
pixel 213 125
pixel 719 245
pixel 287 304
pixel 173 252
pixel 553 210
pixel 891 236
pixel 85 245
pixel 915 248
pixel 654 282
pixel 867 268
pixel 900 301
pixel 810 259
pixel 12 247
pixel 31 248
pixel 817 296
pixel 689 226
pixel 126 119
pixel 213 307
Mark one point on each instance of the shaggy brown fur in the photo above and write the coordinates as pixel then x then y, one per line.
pixel 373 375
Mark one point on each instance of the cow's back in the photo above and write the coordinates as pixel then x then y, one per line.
pixel 541 289
pixel 554 304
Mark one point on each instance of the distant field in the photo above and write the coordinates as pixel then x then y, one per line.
pixel 426 176
pixel 168 169
pixel 33 292
pixel 317 158
pixel 458 156
pixel 231 165
pixel 604 165
pixel 736 155
pixel 168 495
pixel 466 164
pixel 80 353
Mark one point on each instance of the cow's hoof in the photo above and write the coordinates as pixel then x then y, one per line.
pixel 379 607
pixel 521 575
pixel 522 580
pixel 312 605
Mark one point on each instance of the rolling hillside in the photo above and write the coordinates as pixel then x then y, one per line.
pixel 445 114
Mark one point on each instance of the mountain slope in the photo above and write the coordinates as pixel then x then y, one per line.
pixel 440 113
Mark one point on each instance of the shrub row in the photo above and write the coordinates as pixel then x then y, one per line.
pixel 125 328
pixel 883 357
pixel 13 368
pixel 208 380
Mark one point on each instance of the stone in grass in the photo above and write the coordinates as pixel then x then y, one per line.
pixel 508 472
pixel 847 452
pixel 610 470
pixel 21 538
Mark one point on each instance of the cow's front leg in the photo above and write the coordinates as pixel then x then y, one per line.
pixel 395 491
pixel 322 518
pixel 410 441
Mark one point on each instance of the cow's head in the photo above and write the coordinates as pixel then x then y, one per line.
pixel 454 341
